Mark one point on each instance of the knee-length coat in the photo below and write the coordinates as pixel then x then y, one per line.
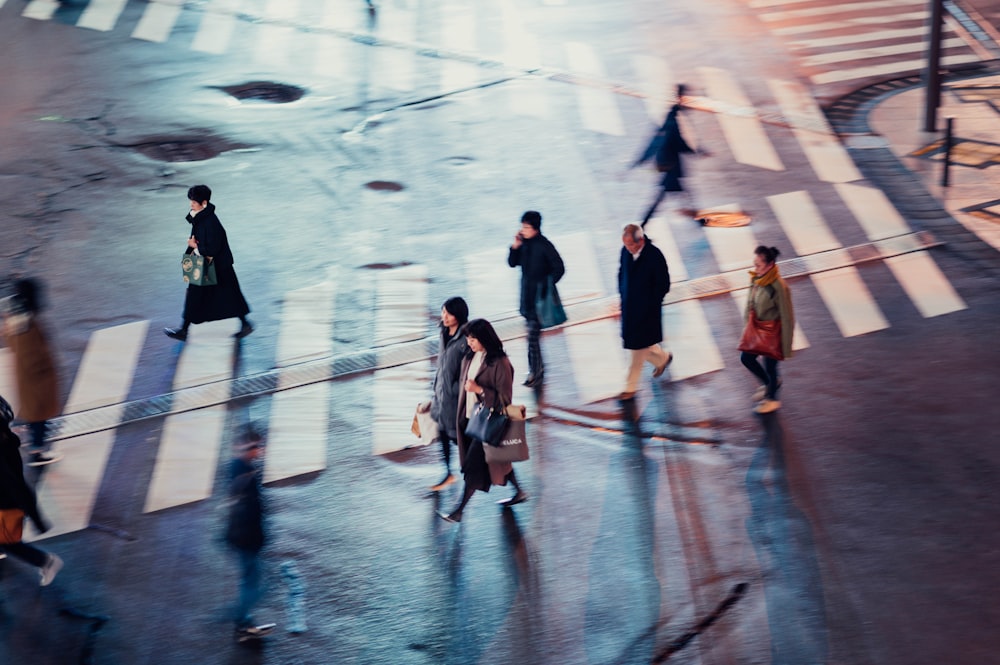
pixel 496 378
pixel 34 369
pixel 223 300
pixel 642 283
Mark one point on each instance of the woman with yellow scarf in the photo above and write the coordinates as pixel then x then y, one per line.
pixel 769 325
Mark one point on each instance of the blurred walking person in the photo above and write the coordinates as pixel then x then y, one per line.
pixel 447 383
pixel 487 378
pixel 17 501
pixel 245 531
pixel 540 265
pixel 643 281
pixel 34 369
pixel 223 300
pixel 769 327
pixel 666 150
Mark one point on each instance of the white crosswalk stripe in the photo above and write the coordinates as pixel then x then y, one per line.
pixel 744 133
pixel 158 21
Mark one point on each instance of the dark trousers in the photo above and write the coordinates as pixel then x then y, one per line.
pixel 446 442
pixel 535 365
pixel 38 432
pixel 768 374
pixel 250 587
pixel 27 553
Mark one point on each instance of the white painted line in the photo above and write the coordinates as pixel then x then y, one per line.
pixel 857 38
pixel 689 337
pixel 399 24
pixel 189 445
pixel 332 57
pixel 802 223
pixel 520 47
pixel 395 394
pixel 8 384
pixel 745 135
pixel 873 210
pixel 823 149
pixel 491 286
pixel 659 233
pixel 598 108
pixel 187 458
pixel 849 301
pixel 107 367
pixel 274 39
pixel 40 10
pixel 799 340
pixel 656 81
pixel 732 247
pixel 216 28
pixel 158 20
pixel 458 33
pixel 583 278
pixel 838 8
pixel 101 14
pixel 306 331
pixel 874 52
pixel 925 284
pixel 70 487
pixel 850 23
pixel 757 4
pixel 888 68
pixel 297 432
pixel 597 358
pixel 396 69
pixel 401 312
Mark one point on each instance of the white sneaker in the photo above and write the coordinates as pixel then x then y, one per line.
pixel 49 571
pixel 767 406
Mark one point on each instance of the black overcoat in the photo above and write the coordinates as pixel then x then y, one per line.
pixel 539 260
pixel 642 283
pixel 224 300
pixel 245 525
pixel 666 148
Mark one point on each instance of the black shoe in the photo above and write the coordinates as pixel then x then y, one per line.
pixel 245 330
pixel 520 497
pixel 180 334
pixel 534 379
pixel 41 458
pixel 454 518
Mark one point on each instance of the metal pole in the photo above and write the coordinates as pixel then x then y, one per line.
pixel 932 77
pixel 948 124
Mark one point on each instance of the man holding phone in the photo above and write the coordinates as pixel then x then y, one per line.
pixel 539 261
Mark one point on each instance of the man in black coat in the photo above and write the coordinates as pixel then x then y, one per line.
pixel 539 261
pixel 643 281
pixel 245 531
pixel 223 300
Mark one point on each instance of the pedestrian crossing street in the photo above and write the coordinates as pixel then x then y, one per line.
pixel 836 42
pixel 192 439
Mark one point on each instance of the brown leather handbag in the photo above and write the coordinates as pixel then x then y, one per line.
pixel 762 337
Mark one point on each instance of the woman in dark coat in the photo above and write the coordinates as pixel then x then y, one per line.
pixel 487 378
pixel 447 383
pixel 16 494
pixel 223 300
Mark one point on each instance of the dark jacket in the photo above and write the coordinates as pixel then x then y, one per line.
pixel 538 259
pixel 497 382
pixel 14 491
pixel 444 404
pixel 245 526
pixel 667 146
pixel 211 236
pixel 642 283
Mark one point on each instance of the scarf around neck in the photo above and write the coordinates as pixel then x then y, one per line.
pixel 768 277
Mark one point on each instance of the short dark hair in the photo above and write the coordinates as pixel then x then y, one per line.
pixel 770 254
pixel 458 308
pixel 200 193
pixel 532 218
pixel 482 331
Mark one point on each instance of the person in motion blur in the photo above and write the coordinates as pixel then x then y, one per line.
pixel 34 369
pixel 447 385
pixel 17 501
pixel 643 281
pixel 539 261
pixel 666 150
pixel 223 300
pixel 487 378
pixel 769 327
pixel 245 530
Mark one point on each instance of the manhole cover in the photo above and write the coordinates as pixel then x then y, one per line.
pixel 193 147
pixel 384 186
pixel 264 91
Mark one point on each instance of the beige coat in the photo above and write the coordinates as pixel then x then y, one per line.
pixel 34 371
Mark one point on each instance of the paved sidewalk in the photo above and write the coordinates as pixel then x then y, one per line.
pixel 973 195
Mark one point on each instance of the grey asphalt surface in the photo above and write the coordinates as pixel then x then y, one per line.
pixel 857 517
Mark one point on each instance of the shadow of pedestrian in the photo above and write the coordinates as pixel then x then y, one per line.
pixel 783 539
